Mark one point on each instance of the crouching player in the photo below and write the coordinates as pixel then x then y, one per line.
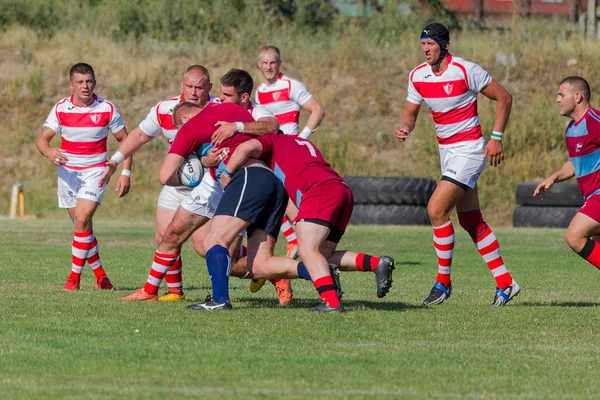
pixel 325 206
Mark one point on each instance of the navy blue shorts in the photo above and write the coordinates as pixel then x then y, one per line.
pixel 255 195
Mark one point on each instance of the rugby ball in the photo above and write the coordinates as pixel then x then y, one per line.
pixel 191 171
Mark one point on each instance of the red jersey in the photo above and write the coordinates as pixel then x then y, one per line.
pixel 297 163
pixel 199 130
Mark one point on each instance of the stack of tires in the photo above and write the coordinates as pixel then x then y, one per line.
pixel 390 200
pixel 555 209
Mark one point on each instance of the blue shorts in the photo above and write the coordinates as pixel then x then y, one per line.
pixel 255 195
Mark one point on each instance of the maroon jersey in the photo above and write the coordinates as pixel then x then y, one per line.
pixel 199 130
pixel 297 163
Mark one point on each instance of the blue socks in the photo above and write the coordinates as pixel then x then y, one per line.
pixel 219 269
pixel 303 272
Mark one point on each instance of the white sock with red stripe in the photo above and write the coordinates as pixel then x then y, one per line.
pixel 160 265
pixel 288 231
pixel 93 257
pixel 487 245
pixel 80 250
pixel 443 241
pixel 174 279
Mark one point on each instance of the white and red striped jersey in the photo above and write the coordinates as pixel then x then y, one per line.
pixel 84 130
pixel 451 97
pixel 160 118
pixel 284 98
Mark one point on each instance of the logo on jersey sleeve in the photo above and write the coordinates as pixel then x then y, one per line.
pixel 448 88
pixel 95 118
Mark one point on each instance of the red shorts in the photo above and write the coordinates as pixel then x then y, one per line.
pixel 591 208
pixel 331 202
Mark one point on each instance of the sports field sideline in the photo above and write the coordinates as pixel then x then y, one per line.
pixel 55 344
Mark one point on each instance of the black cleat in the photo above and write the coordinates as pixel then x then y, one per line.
pixel 335 274
pixel 383 275
pixel 210 305
pixel 438 294
pixel 327 308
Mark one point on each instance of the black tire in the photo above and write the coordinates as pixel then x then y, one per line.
pixel 561 194
pixel 375 190
pixel 389 215
pixel 543 217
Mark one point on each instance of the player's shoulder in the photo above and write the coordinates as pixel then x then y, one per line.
pixel 65 102
pixel 417 71
pixel 464 64
pixel 593 116
pixel 165 106
pixel 291 81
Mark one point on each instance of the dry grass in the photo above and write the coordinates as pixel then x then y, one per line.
pixel 361 86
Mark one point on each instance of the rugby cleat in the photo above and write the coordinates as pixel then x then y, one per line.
pixel 438 294
pixel 71 284
pixel 102 282
pixel 140 295
pixel 257 284
pixel 284 291
pixel 503 296
pixel 325 307
pixel 292 251
pixel 210 305
pixel 335 274
pixel 172 297
pixel 383 275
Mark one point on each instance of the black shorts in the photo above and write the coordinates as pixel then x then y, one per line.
pixel 255 195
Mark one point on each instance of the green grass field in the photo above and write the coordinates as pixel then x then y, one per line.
pixel 54 344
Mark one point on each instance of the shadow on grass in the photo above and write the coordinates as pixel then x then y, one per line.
pixel 557 304
pixel 349 305
pixel 403 263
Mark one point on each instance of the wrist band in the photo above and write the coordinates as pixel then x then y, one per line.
pixel 227 173
pixel 126 172
pixel 240 126
pixel 306 132
pixel 118 158
pixel 496 135
pixel 203 161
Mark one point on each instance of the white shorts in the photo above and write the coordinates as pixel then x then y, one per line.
pixel 73 185
pixel 463 163
pixel 204 198
pixel 172 197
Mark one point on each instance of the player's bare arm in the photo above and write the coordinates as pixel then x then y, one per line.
pixel 226 130
pixel 317 114
pixel 494 149
pixel 168 170
pixel 409 119
pixel 567 171
pixel 124 181
pixel 132 143
pixel 250 149
pixel 51 153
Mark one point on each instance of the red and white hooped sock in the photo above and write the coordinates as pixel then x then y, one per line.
pixel 443 241
pixel 288 231
pixel 160 265
pixel 174 278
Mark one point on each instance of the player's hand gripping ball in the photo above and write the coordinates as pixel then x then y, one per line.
pixel 191 171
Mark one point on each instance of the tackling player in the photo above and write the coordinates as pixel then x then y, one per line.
pixel 325 206
pixel 449 86
pixel 83 121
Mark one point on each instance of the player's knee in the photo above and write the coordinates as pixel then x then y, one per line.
pixel 438 215
pixel 472 222
pixel 200 249
pixel 576 242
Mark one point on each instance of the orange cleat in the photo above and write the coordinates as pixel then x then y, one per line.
pixel 284 291
pixel 140 295
pixel 71 284
pixel 102 282
pixel 292 251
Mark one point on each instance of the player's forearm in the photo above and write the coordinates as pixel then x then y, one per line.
pixel 133 142
pixel 503 107
pixel 567 171
pixel 261 127
pixel 316 117
pixel 249 149
pixel 121 138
